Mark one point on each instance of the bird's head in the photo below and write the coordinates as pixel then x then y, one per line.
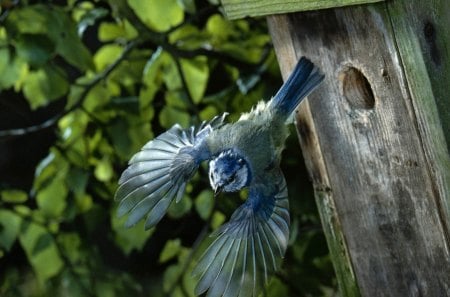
pixel 229 172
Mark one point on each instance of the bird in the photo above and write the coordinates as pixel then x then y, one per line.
pixel 248 249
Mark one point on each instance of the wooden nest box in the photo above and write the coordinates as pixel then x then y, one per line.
pixel 375 135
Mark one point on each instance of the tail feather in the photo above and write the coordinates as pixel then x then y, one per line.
pixel 302 81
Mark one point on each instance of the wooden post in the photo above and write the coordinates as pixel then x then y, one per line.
pixel 375 138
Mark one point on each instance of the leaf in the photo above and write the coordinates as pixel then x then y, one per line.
pixel 52 198
pixel 9 228
pixel 188 5
pixel 171 74
pixel 44 241
pixel 36 49
pixel 57 25
pixel 152 77
pixel 178 209
pixel 99 96
pixel 217 220
pixel 171 249
pixel 14 196
pixel 89 18
pixel 18 70
pixel 158 15
pixel 204 204
pixel 77 180
pixel 47 263
pixel 112 31
pixel 103 170
pixel 170 276
pixel 129 239
pixel 219 28
pixel 208 113
pixel 140 132
pixel 277 288
pixel 71 244
pixel 84 202
pixel 177 100
pixel 44 85
pixel 170 116
pixel 196 74
pixel 106 55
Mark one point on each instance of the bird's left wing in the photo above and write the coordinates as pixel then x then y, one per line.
pixel 158 174
pixel 248 249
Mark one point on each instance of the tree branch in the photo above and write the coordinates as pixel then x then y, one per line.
pixel 87 88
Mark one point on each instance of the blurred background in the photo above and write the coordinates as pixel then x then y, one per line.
pixel 83 86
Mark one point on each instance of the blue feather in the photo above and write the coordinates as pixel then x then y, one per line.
pixel 303 80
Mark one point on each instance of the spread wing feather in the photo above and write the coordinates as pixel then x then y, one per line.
pixel 248 249
pixel 158 174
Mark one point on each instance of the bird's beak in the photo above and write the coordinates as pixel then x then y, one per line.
pixel 218 190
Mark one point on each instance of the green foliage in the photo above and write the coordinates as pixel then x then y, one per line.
pixel 121 72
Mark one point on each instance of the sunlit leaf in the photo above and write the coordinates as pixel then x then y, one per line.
pixel 13 196
pixel 208 113
pixel 47 263
pixel 171 249
pixel 103 170
pixel 189 37
pixel 152 77
pixel 170 116
pixel 57 25
pixel 196 74
pixel 9 228
pixel 44 85
pixel 52 198
pixel 171 74
pixel 218 219
pixel 177 99
pixel 84 202
pixel 99 96
pixel 219 28
pixel 158 15
pixel 106 55
pixel 204 204
pixel 49 169
pixel 113 31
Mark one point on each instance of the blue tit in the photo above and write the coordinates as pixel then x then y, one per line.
pixel 248 249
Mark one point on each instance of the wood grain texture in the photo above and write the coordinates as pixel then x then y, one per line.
pixel 375 148
pixel 235 9
pixel 423 44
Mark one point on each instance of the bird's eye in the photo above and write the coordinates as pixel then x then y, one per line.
pixel 232 178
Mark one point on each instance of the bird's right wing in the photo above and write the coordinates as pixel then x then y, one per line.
pixel 158 174
pixel 249 247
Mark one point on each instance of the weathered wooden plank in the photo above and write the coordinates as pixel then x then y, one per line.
pixel 287 57
pixel 366 139
pixel 423 45
pixel 235 9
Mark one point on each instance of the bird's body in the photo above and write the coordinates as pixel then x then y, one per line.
pixel 244 154
pixel 257 136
